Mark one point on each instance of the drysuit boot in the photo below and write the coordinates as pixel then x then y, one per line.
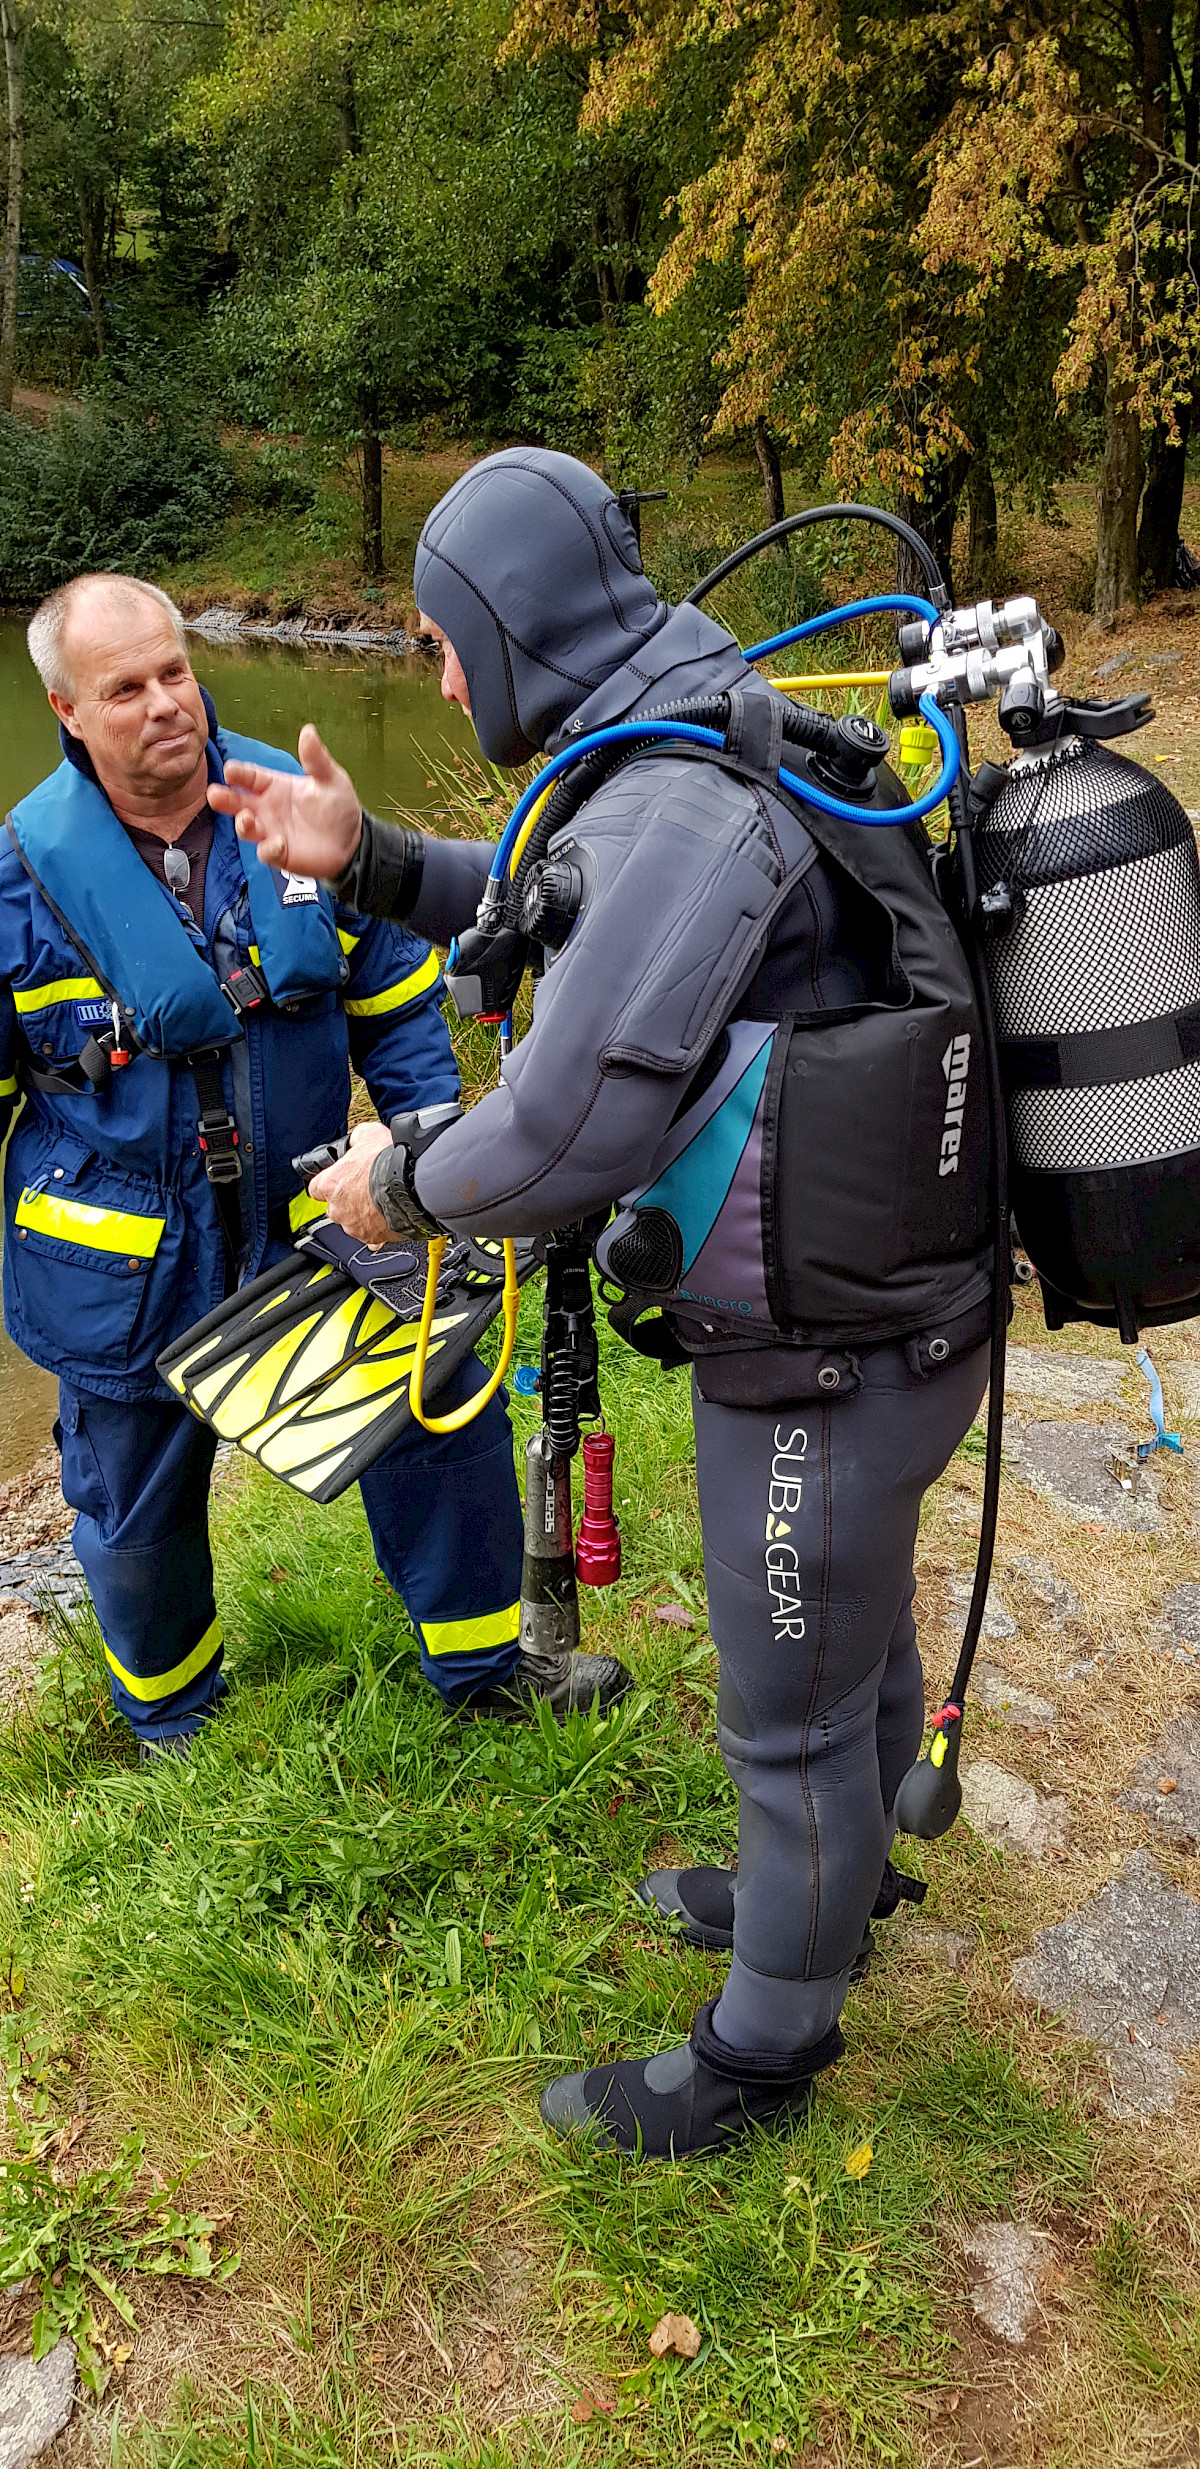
pixel 692 2099
pixel 569 1683
pixel 703 1900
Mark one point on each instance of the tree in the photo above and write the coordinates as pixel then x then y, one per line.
pixel 14 44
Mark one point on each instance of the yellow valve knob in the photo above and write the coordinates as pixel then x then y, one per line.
pixel 918 743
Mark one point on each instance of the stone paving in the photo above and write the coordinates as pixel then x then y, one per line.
pixel 36 2401
pixel 1125 1970
pixel 49 1570
pixel 1092 1470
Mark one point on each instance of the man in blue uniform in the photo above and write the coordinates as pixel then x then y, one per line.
pixel 179 1027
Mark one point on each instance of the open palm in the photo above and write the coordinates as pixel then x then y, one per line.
pixel 308 823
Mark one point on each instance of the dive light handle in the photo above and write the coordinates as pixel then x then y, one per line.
pixel 315 1161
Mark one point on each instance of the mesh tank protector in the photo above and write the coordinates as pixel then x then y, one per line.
pixel 1096 985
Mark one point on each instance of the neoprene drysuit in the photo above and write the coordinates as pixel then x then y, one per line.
pixel 813 1457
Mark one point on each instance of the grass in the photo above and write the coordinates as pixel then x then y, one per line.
pixel 320 1974
pixel 323 1971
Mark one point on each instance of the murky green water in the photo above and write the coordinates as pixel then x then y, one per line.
pixel 384 719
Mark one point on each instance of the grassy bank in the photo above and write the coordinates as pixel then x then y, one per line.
pixel 275 563
pixel 324 1970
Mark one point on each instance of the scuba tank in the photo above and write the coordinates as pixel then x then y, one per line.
pixel 1090 904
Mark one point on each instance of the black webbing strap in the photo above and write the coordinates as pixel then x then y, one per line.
pixel 1096 1058
pixel 218 1136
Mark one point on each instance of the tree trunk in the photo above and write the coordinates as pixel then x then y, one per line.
pixel 92 219
pixel 13 68
pixel 933 516
pixel 1117 501
pixel 772 475
pixel 983 523
pixel 1162 505
pixel 372 484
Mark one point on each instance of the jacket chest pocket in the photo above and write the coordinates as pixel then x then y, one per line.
pixel 84 1244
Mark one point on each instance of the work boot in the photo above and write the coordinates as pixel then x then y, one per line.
pixel 691 2099
pixel 703 1900
pixel 165 1744
pixel 567 1682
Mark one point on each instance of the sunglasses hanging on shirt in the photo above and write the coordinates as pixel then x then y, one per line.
pixel 177 868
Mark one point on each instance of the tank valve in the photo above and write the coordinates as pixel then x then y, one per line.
pixel 598 1550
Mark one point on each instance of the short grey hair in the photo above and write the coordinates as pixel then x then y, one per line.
pixel 48 625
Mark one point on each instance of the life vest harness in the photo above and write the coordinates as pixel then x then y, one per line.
pixel 166 999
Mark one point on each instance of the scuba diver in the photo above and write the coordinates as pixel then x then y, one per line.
pixel 722 949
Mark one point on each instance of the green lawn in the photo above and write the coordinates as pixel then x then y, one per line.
pixel 324 1970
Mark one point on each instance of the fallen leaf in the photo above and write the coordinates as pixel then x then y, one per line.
pixel 677 2332
pixel 278 1577
pixel 779 2443
pixel 586 2406
pixel 494 2369
pixel 1168 1783
pixel 675 1616
pixel 859 2161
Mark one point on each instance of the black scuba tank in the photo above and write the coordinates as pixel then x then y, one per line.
pixel 1094 966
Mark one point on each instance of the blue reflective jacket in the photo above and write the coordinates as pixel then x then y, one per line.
pixel 113 1244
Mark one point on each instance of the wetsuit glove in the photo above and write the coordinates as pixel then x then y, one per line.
pixel 392 1178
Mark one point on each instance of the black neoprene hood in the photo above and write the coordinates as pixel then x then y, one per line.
pixel 532 569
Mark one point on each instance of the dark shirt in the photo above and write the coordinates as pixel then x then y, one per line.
pixel 195 841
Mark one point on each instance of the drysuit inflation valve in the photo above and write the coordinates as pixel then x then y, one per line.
pixel 930 1795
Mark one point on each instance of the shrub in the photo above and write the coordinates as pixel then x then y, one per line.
pixel 104 486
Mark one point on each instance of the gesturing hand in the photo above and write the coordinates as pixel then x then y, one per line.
pixel 310 825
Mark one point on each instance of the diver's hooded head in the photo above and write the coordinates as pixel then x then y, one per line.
pixel 531 567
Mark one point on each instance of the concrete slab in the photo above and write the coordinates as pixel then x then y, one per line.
pixel 1166 1785
pixel 1053 1595
pixel 998 1621
pixel 1091 1472
pixel 1064 1380
pixel 35 2403
pixel 1125 1970
pixel 1009 1811
pixel 1009 2264
pixel 993 1688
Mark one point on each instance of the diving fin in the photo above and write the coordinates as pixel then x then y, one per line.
pixel 307 1367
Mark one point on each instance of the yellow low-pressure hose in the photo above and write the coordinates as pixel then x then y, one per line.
pixel 522 840
pixel 511 1304
pixel 842 677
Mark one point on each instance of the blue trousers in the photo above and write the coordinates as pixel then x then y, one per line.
pixel 445 1520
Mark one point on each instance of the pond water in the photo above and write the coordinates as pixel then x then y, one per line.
pixel 383 717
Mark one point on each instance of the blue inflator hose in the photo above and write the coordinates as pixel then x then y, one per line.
pixel 625 732
pixel 883 602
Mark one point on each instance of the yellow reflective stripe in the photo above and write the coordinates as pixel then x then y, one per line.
pixel 8 1087
pixel 472 1637
pixel 164 1684
pixel 347 940
pixel 303 1209
pixel 101 1230
pixel 59 990
pixel 254 955
pixel 392 997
